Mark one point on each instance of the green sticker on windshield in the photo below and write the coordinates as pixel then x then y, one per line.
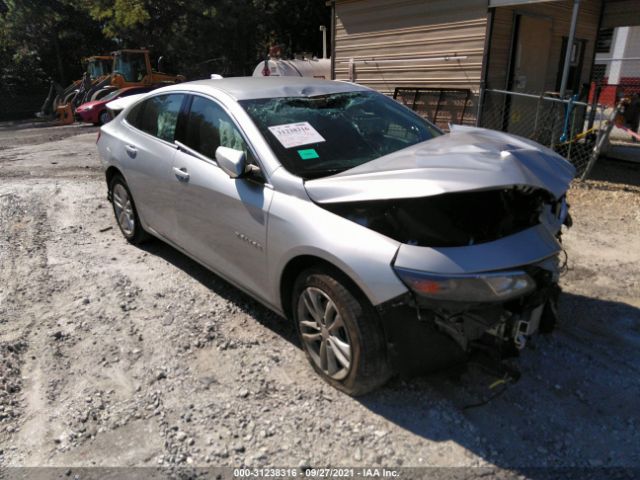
pixel 308 154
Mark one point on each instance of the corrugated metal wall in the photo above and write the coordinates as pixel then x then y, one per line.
pixel 410 33
pixel 560 15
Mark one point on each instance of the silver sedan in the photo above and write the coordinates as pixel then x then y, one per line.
pixel 393 247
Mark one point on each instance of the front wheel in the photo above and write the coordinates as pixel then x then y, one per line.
pixel 125 211
pixel 104 117
pixel 340 332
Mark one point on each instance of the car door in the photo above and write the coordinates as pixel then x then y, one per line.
pixel 148 159
pixel 221 221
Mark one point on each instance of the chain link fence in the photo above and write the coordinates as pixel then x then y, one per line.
pixel 605 119
pixel 616 80
pixel 570 127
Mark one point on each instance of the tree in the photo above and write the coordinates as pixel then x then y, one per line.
pixel 211 36
pixel 42 40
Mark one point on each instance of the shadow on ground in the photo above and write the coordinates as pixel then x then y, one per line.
pixel 224 289
pixel 617 171
pixel 575 406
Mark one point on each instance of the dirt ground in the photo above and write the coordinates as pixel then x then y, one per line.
pixel 113 355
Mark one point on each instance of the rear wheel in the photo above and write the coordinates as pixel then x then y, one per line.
pixel 339 331
pixel 125 211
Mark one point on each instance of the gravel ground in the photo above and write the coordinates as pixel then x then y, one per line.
pixel 113 355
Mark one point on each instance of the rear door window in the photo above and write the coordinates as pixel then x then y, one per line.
pixel 158 116
pixel 208 127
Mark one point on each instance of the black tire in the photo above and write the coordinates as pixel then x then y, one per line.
pixel 104 117
pixel 369 366
pixel 135 235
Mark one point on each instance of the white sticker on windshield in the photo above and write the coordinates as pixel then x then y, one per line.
pixel 296 134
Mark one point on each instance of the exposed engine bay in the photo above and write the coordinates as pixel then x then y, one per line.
pixel 454 219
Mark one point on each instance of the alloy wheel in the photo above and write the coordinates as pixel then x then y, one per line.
pixel 105 117
pixel 324 333
pixel 124 209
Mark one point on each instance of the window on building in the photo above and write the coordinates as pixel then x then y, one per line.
pixel 605 39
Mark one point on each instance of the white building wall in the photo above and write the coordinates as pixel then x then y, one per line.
pixel 623 59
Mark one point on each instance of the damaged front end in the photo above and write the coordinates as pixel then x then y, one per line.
pixel 478 217
pixel 482 270
pixel 486 318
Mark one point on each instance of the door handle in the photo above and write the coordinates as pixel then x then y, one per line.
pixel 181 174
pixel 131 150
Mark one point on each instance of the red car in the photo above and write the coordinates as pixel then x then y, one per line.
pixel 96 111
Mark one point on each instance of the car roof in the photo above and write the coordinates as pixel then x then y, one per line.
pixel 250 88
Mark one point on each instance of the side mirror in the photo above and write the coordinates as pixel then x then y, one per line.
pixel 232 161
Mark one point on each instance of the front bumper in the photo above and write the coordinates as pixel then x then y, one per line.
pixel 87 116
pixel 424 335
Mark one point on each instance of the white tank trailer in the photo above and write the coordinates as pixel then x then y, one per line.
pixel 298 67
pixel 315 67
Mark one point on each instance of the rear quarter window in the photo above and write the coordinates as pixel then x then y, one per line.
pixel 135 114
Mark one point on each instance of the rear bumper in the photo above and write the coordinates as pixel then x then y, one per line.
pixel 423 337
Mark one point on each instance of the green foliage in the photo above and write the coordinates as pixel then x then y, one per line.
pixel 42 40
pixel 199 37
pixel 23 64
pixel 120 18
pixel 45 40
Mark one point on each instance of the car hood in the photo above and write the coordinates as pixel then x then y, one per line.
pixel 466 159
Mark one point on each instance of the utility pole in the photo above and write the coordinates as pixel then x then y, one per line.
pixel 569 50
